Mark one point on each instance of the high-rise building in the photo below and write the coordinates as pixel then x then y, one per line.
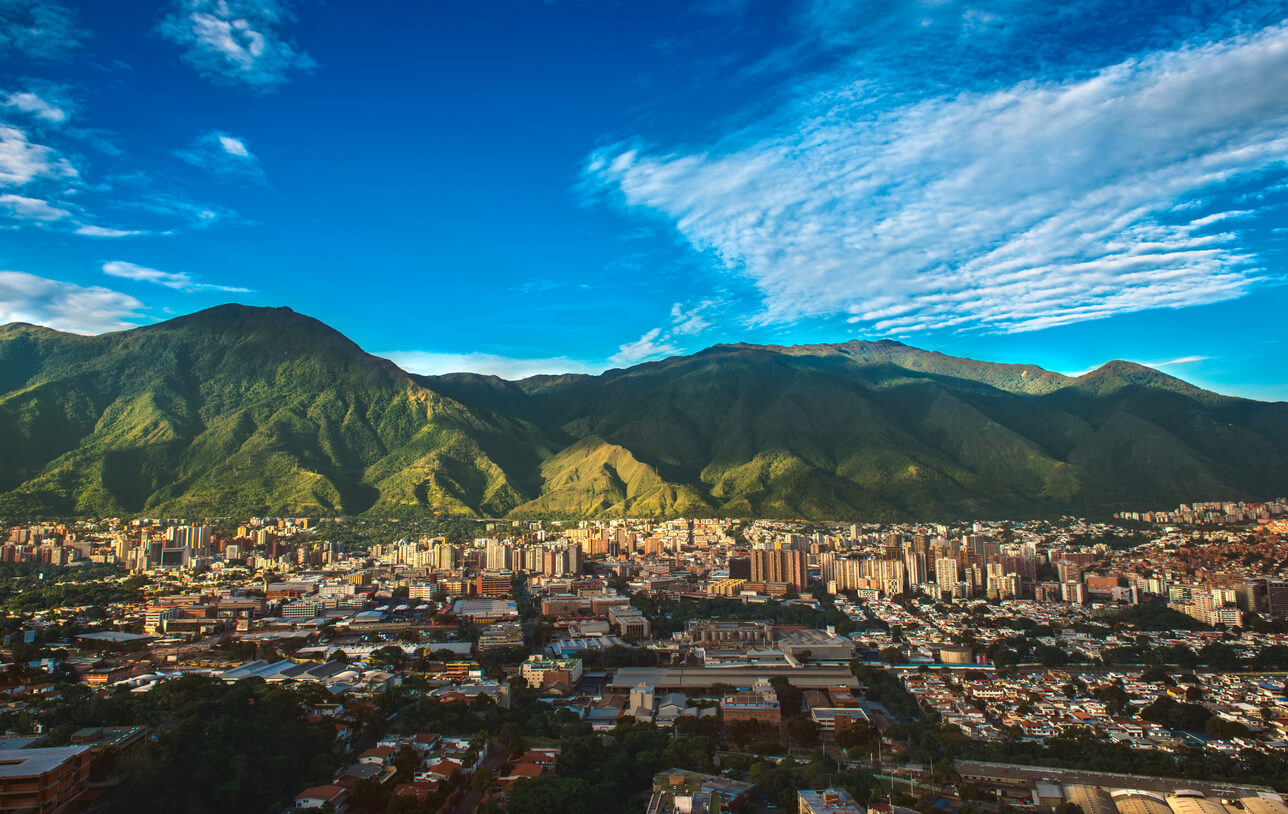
pixel 497 556
pixel 946 573
pixel 1277 597
pixel 740 568
pixel 782 566
pixel 914 566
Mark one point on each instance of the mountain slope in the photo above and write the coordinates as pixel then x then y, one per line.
pixel 240 409
pixel 879 429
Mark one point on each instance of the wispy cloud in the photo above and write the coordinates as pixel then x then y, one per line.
pixel 649 346
pixel 37 209
pixel 179 281
pixel 507 367
pixel 90 230
pixel 223 154
pixel 690 320
pixel 65 306
pixel 1018 208
pixel 1180 360
pixel 46 108
pixel 686 321
pixel 38 29
pixel 237 42
pixel 195 214
pixel 536 286
pixel 23 161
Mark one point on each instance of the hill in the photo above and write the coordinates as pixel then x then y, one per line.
pixel 241 410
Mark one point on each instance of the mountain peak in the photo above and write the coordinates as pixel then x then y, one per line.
pixel 1119 373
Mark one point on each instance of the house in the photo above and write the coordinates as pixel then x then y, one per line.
pixel 418 790
pixel 319 796
pixel 442 770
pixel 521 771
pixel 544 758
pixel 377 755
pixel 424 741
pixel 368 771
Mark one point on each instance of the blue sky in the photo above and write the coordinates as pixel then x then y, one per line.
pixel 527 186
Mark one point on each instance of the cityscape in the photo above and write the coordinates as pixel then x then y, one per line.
pixel 643 407
pixel 990 664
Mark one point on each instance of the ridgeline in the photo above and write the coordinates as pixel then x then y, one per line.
pixel 241 410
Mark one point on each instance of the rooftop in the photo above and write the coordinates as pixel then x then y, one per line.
pixel 34 762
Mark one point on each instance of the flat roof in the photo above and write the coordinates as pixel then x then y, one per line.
pixel 703 677
pixel 115 636
pixel 35 762
pixel 1106 780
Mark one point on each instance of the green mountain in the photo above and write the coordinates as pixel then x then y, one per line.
pixel 240 409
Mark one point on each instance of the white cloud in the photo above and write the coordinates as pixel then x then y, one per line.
pixel 236 42
pixel 223 154
pixel 179 281
pixel 65 306
pixel 1020 208
pixel 651 345
pixel 22 208
pixel 40 29
pixel 22 161
pixel 37 106
pixel 686 320
pixel 507 367
pixel 1180 360
pixel 89 230
pixel 234 146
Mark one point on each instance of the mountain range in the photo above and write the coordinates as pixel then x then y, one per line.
pixel 243 410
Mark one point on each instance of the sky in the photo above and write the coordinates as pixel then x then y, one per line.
pixel 534 186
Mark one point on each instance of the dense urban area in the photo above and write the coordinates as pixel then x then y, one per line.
pixel 691 666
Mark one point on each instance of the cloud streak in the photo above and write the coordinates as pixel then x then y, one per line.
pixel 65 306
pixel 179 281
pixel 1180 360
pixel 237 42
pixel 1025 207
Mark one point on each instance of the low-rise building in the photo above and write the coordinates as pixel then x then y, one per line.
pixel 827 801
pixel 42 781
pixel 539 671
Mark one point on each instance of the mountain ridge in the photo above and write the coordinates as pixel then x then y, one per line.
pixel 240 408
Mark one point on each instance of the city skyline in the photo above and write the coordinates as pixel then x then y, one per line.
pixel 569 187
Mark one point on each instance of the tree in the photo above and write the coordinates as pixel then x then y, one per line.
pixel 1115 698
pixel 789 696
pixel 482 780
pixel 942 771
pixel 1168 712
pixel 1225 729
pixel 801 731
pixel 410 635
pixel 893 655
pixel 859 736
